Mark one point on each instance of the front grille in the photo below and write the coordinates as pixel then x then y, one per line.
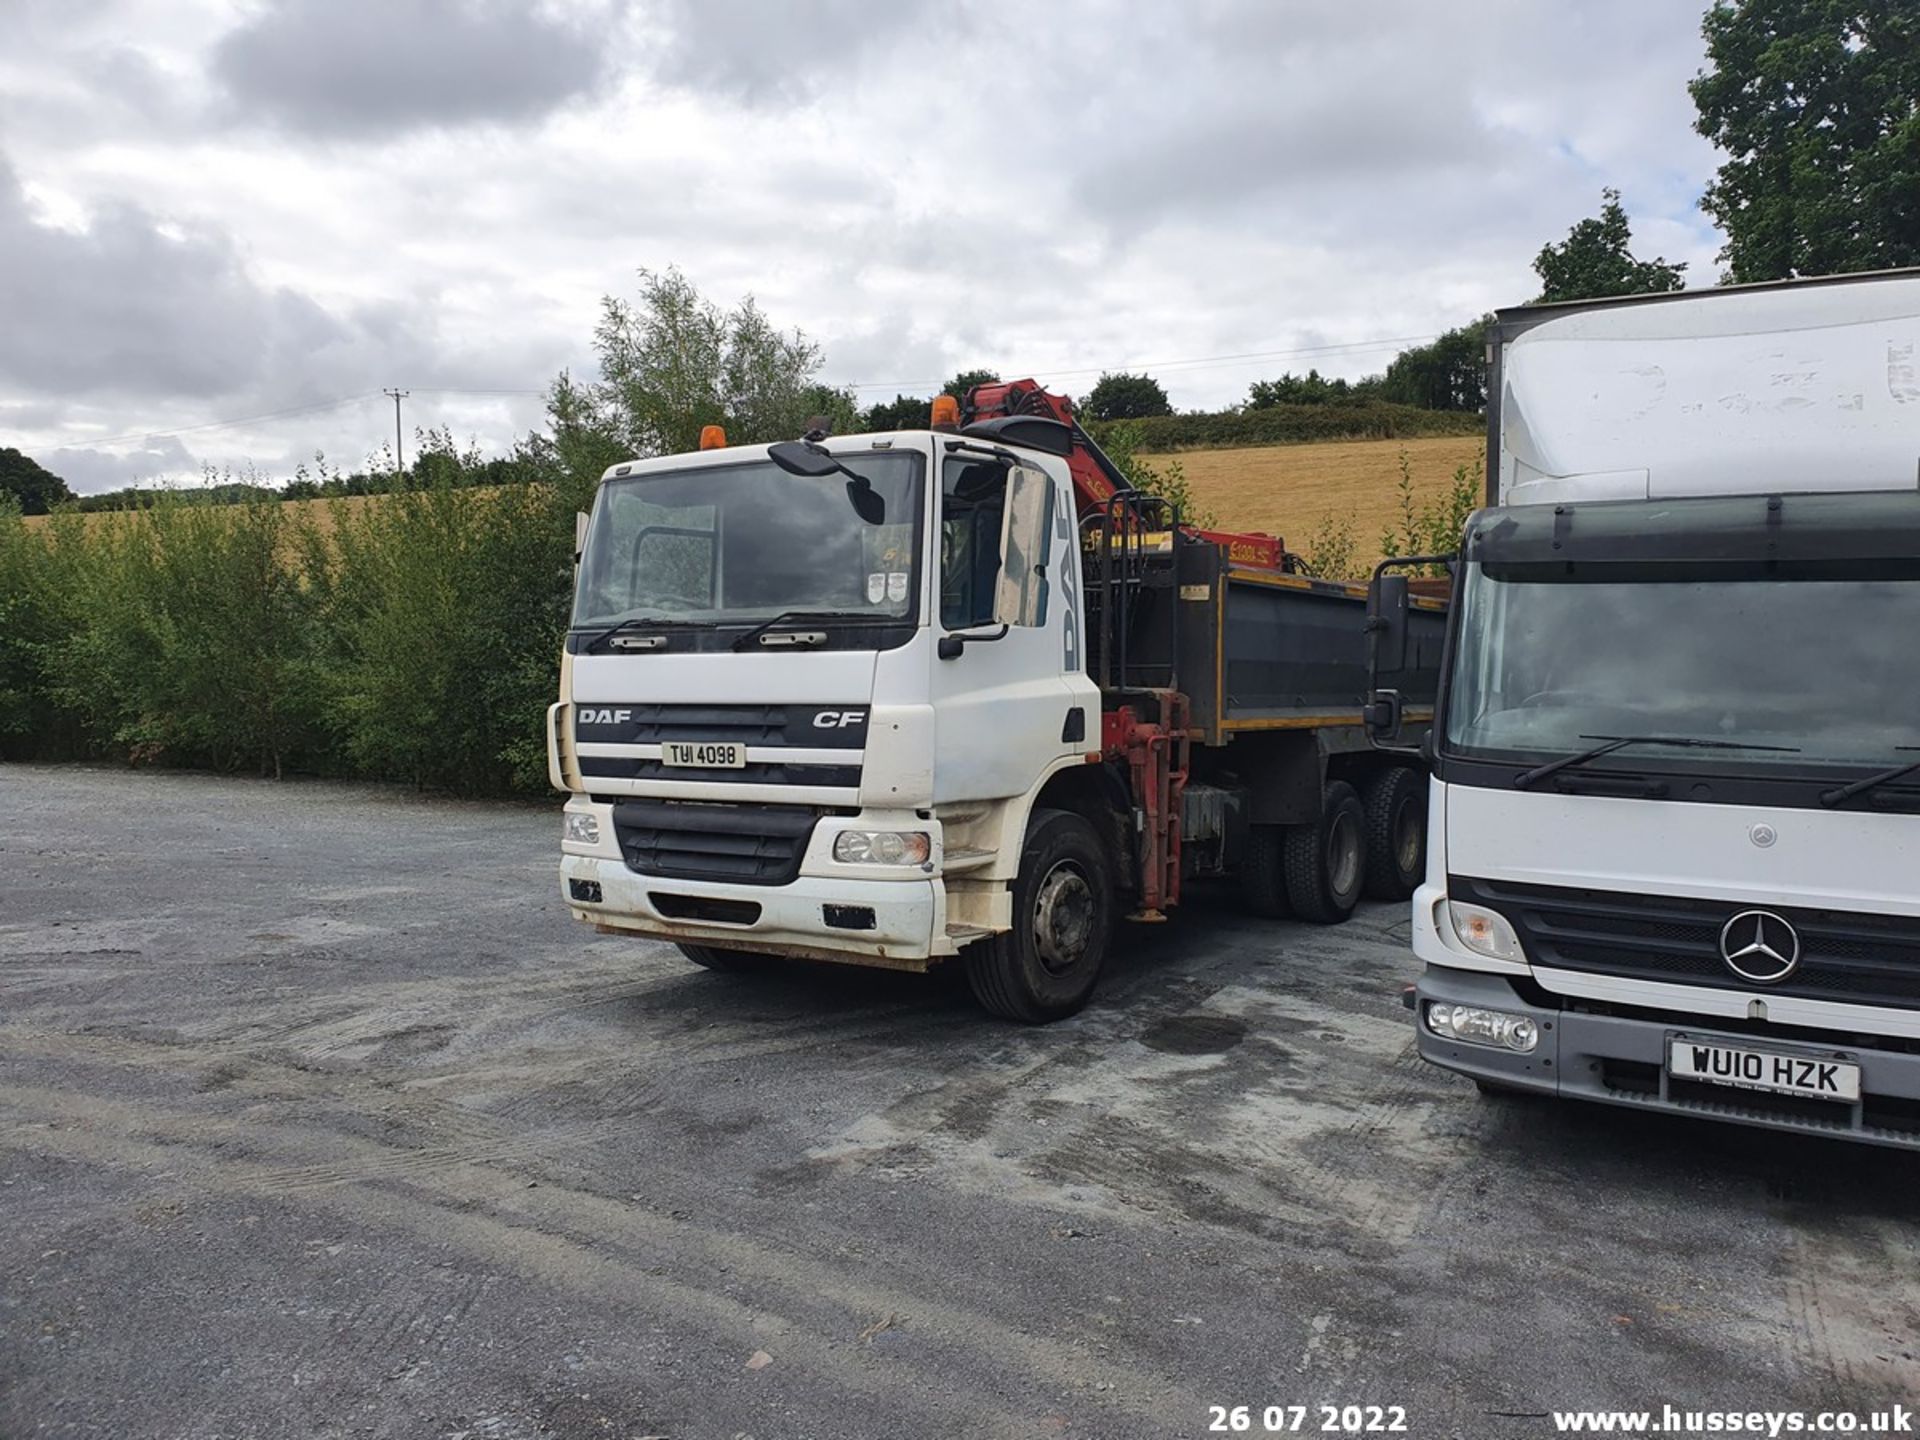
pixel 746 844
pixel 754 772
pixel 1847 956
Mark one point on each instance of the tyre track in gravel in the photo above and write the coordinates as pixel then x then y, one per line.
pixel 556 1231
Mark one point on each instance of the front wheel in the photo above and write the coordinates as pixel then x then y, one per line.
pixel 1326 861
pixel 1045 967
pixel 712 957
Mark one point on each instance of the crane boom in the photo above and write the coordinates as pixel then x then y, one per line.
pixel 1096 479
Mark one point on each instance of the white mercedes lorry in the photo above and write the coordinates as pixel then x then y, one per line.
pixel 957 695
pixel 1674 823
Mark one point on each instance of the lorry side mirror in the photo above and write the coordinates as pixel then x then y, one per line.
pixel 1383 715
pixel 1387 605
pixel 1026 528
pixel 579 534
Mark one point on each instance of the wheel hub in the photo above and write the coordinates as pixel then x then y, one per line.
pixel 1062 918
pixel 1343 854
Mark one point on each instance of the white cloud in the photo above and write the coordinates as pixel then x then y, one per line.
pixel 303 202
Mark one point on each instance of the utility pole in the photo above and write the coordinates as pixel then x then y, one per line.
pixel 399 450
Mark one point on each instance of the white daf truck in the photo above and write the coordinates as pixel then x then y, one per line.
pixel 957 694
pixel 1674 822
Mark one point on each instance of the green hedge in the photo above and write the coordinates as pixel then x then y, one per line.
pixel 1297 424
pixel 414 637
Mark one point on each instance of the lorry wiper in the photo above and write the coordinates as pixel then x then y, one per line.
pixel 1620 742
pixel 632 622
pixel 1840 794
pixel 789 617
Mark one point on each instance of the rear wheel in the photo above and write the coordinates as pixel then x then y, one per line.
pixel 1263 880
pixel 712 957
pixel 1045 967
pixel 1326 861
pixel 1396 806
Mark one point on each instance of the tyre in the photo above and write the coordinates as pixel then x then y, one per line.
pixel 1263 880
pixel 1509 1094
pixel 1045 967
pixel 1326 862
pixel 1396 806
pixel 712 957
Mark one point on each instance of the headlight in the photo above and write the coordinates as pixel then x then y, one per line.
pixel 882 847
pixel 583 829
pixel 1485 932
pixel 1483 1027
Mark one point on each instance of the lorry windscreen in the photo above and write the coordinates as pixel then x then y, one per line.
pixel 1820 671
pixel 736 545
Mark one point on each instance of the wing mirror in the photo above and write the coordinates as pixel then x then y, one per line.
pixel 814 462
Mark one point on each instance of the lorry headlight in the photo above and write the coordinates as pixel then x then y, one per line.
pixel 882 847
pixel 1482 1027
pixel 1485 932
pixel 583 829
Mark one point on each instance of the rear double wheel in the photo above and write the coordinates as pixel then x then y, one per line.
pixel 1324 863
pixel 1396 806
pixel 1045 967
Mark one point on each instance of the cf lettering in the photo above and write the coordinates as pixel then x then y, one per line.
pixel 838 719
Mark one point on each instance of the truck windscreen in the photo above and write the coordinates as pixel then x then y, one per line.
pixel 743 543
pixel 1821 671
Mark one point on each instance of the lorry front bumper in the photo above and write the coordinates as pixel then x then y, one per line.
pixel 791 919
pixel 1623 1061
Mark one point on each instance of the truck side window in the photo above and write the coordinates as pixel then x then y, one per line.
pixel 973 498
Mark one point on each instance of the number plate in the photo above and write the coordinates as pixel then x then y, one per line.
pixel 1744 1069
pixel 694 755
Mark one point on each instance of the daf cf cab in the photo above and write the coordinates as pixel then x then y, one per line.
pixel 955 694
pixel 1674 829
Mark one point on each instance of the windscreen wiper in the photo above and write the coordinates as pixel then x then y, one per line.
pixel 632 622
pixel 1620 742
pixel 1840 794
pixel 790 617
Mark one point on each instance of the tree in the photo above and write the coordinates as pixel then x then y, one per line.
pixel 1593 261
pixel 903 412
pixel 36 488
pixel 1448 374
pixel 675 363
pixel 960 384
pixel 1126 397
pixel 1311 388
pixel 1817 106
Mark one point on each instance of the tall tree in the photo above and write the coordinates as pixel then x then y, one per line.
pixel 1817 106
pixel 1593 261
pixel 1126 397
pixel 903 412
pixel 1447 374
pixel 36 488
pixel 674 362
pixel 966 380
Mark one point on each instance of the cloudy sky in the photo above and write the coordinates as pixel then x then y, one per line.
pixel 226 226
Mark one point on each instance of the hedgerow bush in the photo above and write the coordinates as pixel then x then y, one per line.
pixel 1291 424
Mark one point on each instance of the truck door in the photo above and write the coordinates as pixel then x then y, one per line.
pixel 1009 675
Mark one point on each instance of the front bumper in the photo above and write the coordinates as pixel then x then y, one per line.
pixel 791 919
pixel 1622 1061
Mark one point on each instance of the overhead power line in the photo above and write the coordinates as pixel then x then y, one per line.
pixel 1051 372
pixel 314 408
pixel 898 386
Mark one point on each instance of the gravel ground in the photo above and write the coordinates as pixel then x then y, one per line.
pixel 319 1117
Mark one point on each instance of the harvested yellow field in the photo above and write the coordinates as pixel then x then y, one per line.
pixel 1288 490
